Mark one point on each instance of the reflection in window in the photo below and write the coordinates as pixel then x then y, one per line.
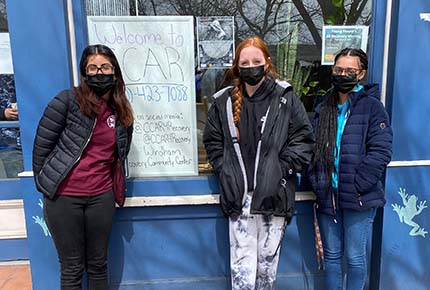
pixel 3 17
pixel 292 28
pixel 107 7
pixel 10 145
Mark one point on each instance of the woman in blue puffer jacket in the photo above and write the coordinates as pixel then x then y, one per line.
pixel 354 146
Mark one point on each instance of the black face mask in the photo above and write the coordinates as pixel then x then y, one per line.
pixel 252 75
pixel 344 83
pixel 100 83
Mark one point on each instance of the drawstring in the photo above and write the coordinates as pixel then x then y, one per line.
pixel 335 201
pixel 270 258
pixel 318 241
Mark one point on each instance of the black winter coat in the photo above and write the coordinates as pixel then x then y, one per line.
pixel 61 137
pixel 285 148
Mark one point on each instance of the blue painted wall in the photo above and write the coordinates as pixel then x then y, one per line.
pixel 377 31
pixel 10 189
pixel 405 255
pixel 38 37
pixel 14 249
pixel 411 82
pixel 175 247
pixel 405 263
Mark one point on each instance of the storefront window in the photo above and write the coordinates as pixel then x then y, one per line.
pixel 293 29
pixel 10 146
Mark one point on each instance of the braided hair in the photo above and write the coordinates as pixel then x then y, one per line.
pixel 326 135
pixel 348 51
pixel 327 124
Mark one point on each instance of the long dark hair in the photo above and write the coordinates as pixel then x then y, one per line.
pixel 239 85
pixel 88 101
pixel 327 123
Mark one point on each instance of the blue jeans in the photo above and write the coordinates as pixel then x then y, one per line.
pixel 348 237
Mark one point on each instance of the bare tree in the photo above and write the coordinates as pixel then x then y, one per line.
pixel 200 7
pixel 333 12
pixel 265 18
pixel 269 19
pixel 355 13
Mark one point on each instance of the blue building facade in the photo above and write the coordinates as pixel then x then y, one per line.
pixel 171 234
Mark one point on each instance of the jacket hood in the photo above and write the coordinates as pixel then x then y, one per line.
pixel 264 91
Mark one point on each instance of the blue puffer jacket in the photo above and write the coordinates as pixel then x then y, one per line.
pixel 366 149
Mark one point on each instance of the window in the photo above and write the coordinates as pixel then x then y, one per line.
pixel 10 146
pixel 292 28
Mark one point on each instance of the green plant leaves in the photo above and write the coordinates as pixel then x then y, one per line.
pixel 313 84
pixel 337 3
pixel 305 91
pixel 331 20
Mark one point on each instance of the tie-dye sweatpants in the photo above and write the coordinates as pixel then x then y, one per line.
pixel 254 252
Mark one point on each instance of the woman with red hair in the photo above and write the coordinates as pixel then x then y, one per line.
pixel 257 137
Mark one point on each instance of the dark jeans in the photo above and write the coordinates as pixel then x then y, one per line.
pixel 80 228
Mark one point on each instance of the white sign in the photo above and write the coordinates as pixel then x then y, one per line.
pixel 6 66
pixel 335 38
pixel 156 55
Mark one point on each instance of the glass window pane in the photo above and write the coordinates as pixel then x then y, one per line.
pixel 3 16
pixel 107 7
pixel 10 145
pixel 292 29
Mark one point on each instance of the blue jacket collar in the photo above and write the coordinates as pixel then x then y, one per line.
pixel 371 90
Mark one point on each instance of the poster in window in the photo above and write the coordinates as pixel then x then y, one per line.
pixel 156 56
pixel 335 38
pixel 215 43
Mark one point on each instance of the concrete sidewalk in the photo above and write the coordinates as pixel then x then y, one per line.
pixel 15 276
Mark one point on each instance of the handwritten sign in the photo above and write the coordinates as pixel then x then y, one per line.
pixel 156 56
